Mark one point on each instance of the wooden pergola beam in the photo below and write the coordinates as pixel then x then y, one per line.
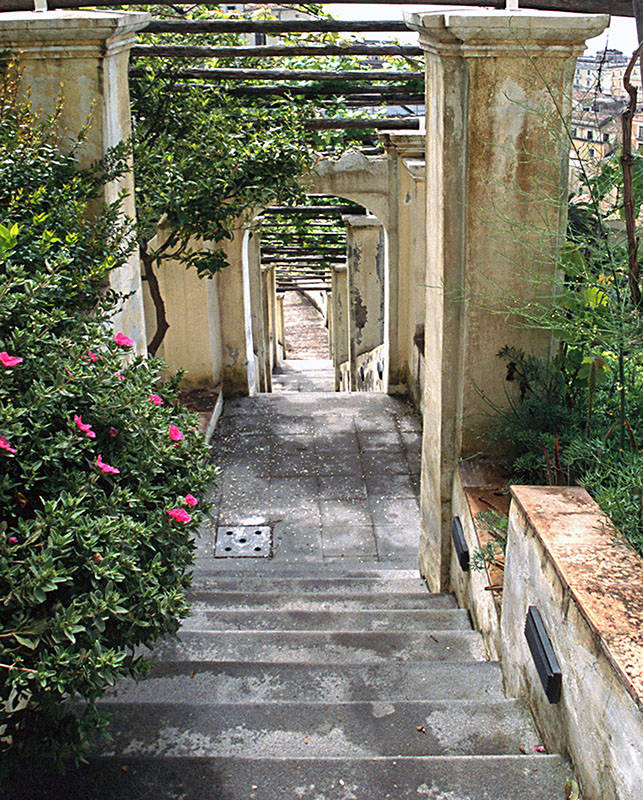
pixel 276 26
pixel 622 8
pixel 314 211
pixel 263 51
pixel 376 123
pixel 361 90
pixel 242 74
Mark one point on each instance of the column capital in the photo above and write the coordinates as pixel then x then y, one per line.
pixel 480 32
pixel 360 221
pixel 70 34
pixel 408 144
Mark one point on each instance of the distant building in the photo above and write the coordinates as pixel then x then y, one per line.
pixel 595 132
pixel 599 70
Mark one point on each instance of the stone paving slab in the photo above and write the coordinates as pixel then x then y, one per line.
pixel 236 682
pixel 382 778
pixel 317 730
pixel 202 619
pixel 323 648
pixel 274 601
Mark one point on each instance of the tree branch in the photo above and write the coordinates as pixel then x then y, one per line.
pixel 628 188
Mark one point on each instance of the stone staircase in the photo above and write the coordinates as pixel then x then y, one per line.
pixel 352 685
pixel 327 672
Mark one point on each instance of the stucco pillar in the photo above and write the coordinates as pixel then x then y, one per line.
pixel 237 367
pixel 339 304
pixel 405 150
pixel 497 84
pixel 85 56
pixel 366 275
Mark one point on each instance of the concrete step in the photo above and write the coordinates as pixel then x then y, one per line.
pixel 322 647
pixel 524 777
pixel 320 730
pixel 273 601
pixel 293 585
pixel 340 567
pixel 204 618
pixel 191 682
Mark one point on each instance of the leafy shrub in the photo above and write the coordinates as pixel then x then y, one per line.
pixel 94 451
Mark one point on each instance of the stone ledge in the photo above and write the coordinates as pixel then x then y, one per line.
pixel 602 576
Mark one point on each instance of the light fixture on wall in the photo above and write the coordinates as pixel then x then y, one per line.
pixel 543 654
pixel 460 544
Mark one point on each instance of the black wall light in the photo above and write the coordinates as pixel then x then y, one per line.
pixel 460 544
pixel 543 654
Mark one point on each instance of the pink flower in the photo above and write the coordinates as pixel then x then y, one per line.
pixel 71 374
pixel 123 341
pixel 13 540
pixel 190 499
pixel 106 467
pixel 113 432
pixel 4 445
pixel 119 376
pixel 175 434
pixel 93 356
pixel 154 398
pixel 538 748
pixel 179 514
pixel 86 428
pixel 10 361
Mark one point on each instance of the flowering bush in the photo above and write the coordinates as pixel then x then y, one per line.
pixel 100 468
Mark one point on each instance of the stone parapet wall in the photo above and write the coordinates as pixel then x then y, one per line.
pixel 562 558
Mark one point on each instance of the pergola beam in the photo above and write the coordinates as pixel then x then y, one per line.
pixel 361 90
pixel 622 8
pixel 376 123
pixel 263 51
pixel 313 210
pixel 242 74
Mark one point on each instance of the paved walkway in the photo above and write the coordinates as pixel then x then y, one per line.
pixel 337 475
pixel 304 375
pixel 306 334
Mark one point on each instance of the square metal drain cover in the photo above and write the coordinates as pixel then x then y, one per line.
pixel 243 541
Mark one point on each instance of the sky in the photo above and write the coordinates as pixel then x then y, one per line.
pixel 621 34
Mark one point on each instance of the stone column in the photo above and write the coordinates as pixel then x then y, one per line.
pixel 339 304
pixel 497 85
pixel 85 55
pixel 269 337
pixel 405 150
pixel 366 277
pixel 236 322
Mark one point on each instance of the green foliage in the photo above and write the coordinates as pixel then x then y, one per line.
pixel 206 158
pixel 91 565
pixel 492 553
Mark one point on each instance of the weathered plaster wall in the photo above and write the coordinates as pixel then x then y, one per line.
pixel 366 259
pixel 85 53
pixel 471 587
pixel 562 558
pixel 193 340
pixel 369 370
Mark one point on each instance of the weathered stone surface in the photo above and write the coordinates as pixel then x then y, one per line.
pixel 587 589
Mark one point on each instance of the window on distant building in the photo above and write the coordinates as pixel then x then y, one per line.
pixel 592 152
pixel 606 137
pixel 640 133
pixel 590 135
pixel 260 38
pixel 574 130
